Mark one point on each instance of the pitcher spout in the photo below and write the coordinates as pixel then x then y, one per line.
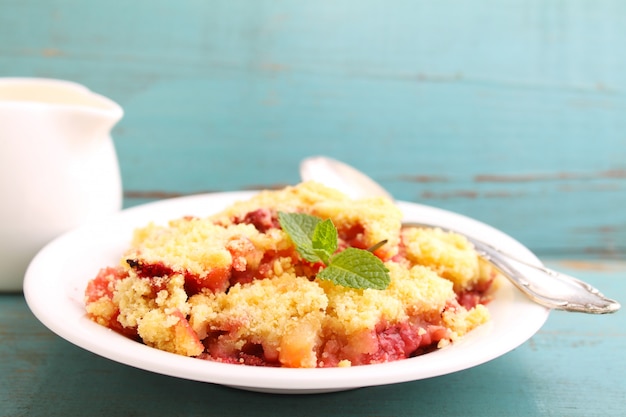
pixel 69 106
pixel 87 123
pixel 90 115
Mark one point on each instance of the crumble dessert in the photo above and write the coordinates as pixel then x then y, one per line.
pixel 232 287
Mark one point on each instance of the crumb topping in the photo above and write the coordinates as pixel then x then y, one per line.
pixel 232 288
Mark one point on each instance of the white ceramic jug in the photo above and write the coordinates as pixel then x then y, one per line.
pixel 58 166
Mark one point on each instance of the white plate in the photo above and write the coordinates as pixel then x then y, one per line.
pixel 57 276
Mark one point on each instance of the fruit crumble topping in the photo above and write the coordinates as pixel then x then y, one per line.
pixel 237 287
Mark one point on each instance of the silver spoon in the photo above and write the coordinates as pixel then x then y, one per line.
pixel 551 289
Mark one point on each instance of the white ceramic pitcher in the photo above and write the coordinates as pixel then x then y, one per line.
pixel 58 166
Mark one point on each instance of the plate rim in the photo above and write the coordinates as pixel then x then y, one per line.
pixel 55 314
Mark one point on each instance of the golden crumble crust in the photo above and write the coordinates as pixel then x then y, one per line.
pixel 231 287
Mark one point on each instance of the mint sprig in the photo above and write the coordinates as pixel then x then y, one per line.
pixel 316 240
pixel 325 240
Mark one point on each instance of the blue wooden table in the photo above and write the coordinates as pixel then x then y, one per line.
pixel 511 112
pixel 574 366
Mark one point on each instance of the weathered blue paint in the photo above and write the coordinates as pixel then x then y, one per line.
pixel 511 112
pixel 573 367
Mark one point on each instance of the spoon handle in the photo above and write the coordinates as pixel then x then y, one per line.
pixel 550 288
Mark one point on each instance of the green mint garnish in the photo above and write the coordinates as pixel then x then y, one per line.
pixel 316 240
pixel 300 229
pixel 324 240
pixel 356 268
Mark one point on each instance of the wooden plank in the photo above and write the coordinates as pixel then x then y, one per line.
pixel 510 112
pixel 574 366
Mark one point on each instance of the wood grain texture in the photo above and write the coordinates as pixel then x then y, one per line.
pixel 574 366
pixel 510 112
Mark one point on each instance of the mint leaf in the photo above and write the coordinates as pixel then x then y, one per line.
pixel 300 228
pixel 317 240
pixel 356 268
pixel 325 240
